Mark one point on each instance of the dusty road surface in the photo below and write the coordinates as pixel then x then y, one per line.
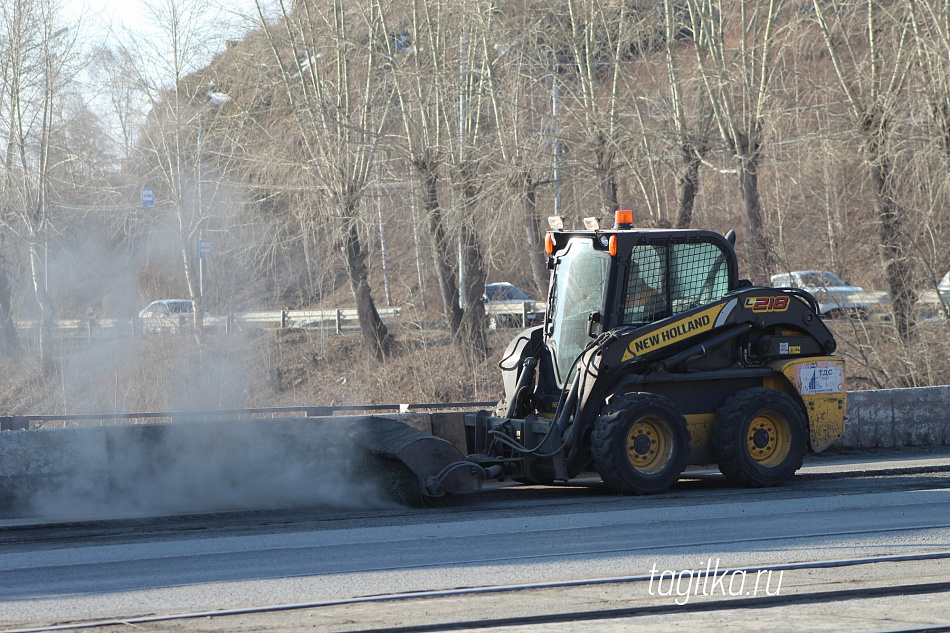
pixel 855 543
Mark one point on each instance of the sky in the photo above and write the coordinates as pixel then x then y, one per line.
pixel 105 20
pixel 105 12
pixel 129 12
pixel 94 24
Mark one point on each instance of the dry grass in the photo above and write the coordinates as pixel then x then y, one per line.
pixel 251 369
pixel 296 367
pixel 877 358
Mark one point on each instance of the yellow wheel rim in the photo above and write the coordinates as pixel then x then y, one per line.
pixel 648 445
pixel 768 439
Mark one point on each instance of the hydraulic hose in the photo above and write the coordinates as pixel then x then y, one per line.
pixel 527 374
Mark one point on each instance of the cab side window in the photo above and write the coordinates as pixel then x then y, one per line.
pixel 665 280
pixel 699 274
pixel 646 298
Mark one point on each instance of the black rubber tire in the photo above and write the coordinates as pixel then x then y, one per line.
pixel 640 444
pixel 759 438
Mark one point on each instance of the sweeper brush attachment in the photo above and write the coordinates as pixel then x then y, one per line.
pixel 414 467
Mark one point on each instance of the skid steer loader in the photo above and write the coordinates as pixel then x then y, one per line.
pixel 653 355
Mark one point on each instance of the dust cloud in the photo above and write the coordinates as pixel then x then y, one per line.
pixel 150 470
pixel 153 469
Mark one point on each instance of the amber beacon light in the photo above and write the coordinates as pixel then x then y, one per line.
pixel 623 219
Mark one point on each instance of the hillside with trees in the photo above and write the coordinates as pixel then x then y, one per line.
pixel 360 154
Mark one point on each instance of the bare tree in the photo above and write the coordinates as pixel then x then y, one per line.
pixel 469 160
pixel 596 33
pixel 692 139
pixel 37 66
pixel 123 94
pixel 9 338
pixel 437 72
pixel 417 60
pixel 931 26
pixel 183 118
pixel 522 83
pixel 737 78
pixel 667 119
pixel 329 78
pixel 872 78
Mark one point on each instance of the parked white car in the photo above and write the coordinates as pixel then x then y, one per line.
pixel 944 285
pixel 168 315
pixel 835 297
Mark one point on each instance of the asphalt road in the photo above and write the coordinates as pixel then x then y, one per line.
pixel 858 508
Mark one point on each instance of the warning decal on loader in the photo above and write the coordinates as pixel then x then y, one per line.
pixel 823 376
pixel 677 331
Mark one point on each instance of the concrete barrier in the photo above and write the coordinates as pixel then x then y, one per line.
pixel 185 467
pixel 896 418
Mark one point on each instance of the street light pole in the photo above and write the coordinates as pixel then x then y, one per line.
pixel 201 260
pixel 555 103
pixel 462 132
pixel 45 183
pixel 46 255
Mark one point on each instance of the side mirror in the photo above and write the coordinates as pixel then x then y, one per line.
pixel 593 320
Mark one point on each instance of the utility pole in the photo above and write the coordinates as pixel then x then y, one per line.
pixel 463 131
pixel 555 103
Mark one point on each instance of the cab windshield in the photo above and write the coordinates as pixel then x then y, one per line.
pixel 580 277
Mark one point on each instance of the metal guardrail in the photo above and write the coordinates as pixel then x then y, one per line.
pixel 338 320
pixel 930 296
pixel 930 305
pixel 520 311
pixel 869 300
pixel 863 296
pixel 338 317
pixel 22 422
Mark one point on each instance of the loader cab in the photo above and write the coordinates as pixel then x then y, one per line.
pixel 625 277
